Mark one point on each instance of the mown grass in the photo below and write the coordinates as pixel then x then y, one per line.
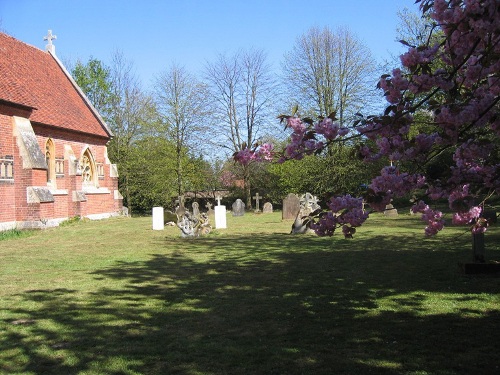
pixel 116 297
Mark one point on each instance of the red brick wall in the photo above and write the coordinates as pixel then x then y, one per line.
pixel 7 197
pixel 13 196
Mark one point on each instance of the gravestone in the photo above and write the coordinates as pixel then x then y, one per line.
pixel 390 210
pixel 210 211
pixel 291 207
pixel 192 226
pixel 268 208
pixel 158 223
pixel 308 204
pixel 196 209
pixel 257 200
pixel 220 215
pixel 238 208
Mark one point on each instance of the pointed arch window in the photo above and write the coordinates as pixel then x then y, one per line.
pixel 51 161
pixel 88 168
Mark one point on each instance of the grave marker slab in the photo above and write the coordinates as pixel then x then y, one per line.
pixel 158 223
pixel 268 208
pixel 291 207
pixel 238 208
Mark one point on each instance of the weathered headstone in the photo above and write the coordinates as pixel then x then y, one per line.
pixel 209 208
pixel 238 208
pixel 257 199
pixel 268 208
pixel 390 210
pixel 291 207
pixel 192 226
pixel 308 204
pixel 196 209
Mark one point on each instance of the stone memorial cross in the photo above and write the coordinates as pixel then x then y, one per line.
pixel 257 199
pixel 49 38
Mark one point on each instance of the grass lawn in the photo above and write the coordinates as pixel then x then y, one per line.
pixel 116 297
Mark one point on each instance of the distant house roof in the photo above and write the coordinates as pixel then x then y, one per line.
pixel 34 78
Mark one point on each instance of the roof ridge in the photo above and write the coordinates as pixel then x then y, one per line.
pixel 20 41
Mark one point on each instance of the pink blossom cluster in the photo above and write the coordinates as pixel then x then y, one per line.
pixel 434 219
pixel 344 212
pixel 391 182
pixel 263 153
pixel 329 129
pixel 467 217
pixel 304 141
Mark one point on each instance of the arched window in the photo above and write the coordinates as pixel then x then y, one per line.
pixel 51 161
pixel 88 168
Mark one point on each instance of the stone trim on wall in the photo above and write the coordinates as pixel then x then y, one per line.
pixel 39 194
pixel 29 149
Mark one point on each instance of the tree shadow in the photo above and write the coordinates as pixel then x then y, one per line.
pixel 265 304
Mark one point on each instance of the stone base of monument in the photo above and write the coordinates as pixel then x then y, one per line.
pixel 486 268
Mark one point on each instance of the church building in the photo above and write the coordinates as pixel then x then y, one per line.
pixel 53 155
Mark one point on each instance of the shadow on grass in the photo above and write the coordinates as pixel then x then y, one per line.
pixel 267 304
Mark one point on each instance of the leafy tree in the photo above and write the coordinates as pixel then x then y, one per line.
pixel 94 78
pixel 152 181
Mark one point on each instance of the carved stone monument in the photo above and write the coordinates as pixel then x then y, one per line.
pixel 192 226
pixel 308 204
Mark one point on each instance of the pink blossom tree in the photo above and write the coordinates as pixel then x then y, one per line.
pixel 453 81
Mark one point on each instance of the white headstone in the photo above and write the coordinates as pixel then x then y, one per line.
pixel 158 223
pixel 220 217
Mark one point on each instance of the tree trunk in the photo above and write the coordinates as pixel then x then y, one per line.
pixel 248 193
pixel 478 248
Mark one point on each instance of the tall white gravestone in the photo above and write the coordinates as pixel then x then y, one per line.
pixel 220 215
pixel 158 223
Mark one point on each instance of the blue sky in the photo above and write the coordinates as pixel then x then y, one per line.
pixel 153 34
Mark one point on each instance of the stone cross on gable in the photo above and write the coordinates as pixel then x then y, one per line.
pixel 49 38
pixel 257 199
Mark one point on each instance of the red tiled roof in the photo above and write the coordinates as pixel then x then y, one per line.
pixel 33 78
